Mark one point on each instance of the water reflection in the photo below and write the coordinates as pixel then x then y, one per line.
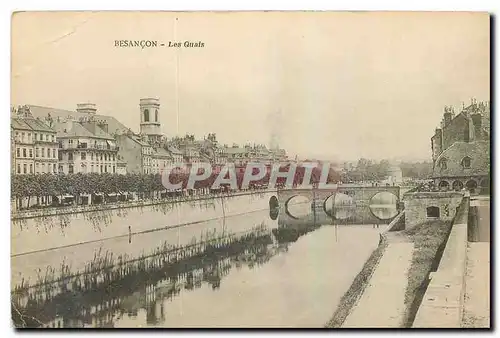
pixel 384 205
pixel 298 206
pixel 233 275
pixel 110 286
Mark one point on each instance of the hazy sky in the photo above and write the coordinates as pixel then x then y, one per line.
pixel 340 85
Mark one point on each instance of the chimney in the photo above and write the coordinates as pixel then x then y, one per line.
pixel 477 121
pixel 447 116
pixel 86 108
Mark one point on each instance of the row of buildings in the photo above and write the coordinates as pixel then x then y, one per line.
pixel 461 149
pixel 48 140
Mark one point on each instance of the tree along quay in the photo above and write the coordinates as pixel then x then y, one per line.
pixel 110 276
pixel 165 198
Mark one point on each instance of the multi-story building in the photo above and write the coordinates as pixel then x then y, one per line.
pixel 460 149
pixel 177 155
pixel 121 165
pixel 86 147
pixel 136 151
pixel 35 145
pixel 161 159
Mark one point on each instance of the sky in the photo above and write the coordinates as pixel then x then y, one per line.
pixel 327 85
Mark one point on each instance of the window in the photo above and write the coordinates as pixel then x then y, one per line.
pixel 471 186
pixel 18 168
pixel 22 137
pixel 156 115
pixel 54 168
pixel 71 169
pixel 70 156
pixel 46 137
pixel 466 162
pixel 146 115
pixel 59 156
pixel 36 136
pixel 61 168
pixel 114 170
pixel 443 164
pixel 29 137
pixel 25 168
pixel 444 185
pixel 101 157
pixel 37 153
pixel 91 156
pixel 31 168
pixel 24 152
pixel 457 185
pixel 43 167
pixel 105 168
pixel 91 168
pixel 84 156
pixel 101 168
pixel 114 158
pixel 432 212
pixel 31 153
pixel 18 152
pixel 43 152
pixel 53 153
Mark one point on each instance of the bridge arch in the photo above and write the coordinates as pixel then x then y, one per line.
pixel 384 205
pixel 273 202
pixel 298 206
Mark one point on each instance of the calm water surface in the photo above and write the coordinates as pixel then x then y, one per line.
pixel 262 272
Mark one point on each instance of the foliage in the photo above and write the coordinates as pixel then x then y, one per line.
pixel 38 185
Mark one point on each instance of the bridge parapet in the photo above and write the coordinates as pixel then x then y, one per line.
pixel 361 197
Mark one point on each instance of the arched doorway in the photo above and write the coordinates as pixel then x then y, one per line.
pixel 444 185
pixel 485 186
pixel 457 185
pixel 471 186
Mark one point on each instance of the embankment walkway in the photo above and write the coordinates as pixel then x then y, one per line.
pixel 382 302
pixel 476 312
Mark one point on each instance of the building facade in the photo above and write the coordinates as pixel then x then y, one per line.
pixel 85 147
pixel 35 147
pixel 461 149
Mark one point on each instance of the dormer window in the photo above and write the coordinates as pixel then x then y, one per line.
pixel 466 161
pixel 443 164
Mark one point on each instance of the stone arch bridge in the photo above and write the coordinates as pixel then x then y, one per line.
pixel 361 197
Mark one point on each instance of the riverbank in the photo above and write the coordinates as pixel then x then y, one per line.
pixel 389 289
pixel 429 240
pixel 55 211
pixel 352 295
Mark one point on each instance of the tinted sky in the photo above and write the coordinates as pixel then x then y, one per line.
pixel 329 85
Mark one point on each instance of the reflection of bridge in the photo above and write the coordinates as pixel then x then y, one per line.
pixel 321 201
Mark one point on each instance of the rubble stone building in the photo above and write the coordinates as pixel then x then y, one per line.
pixel 461 149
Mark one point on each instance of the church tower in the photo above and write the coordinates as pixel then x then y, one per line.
pixel 150 118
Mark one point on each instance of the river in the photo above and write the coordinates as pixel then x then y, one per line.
pixel 232 263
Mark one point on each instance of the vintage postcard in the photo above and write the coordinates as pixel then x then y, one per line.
pixel 250 170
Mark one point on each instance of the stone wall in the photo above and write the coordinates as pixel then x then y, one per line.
pixel 442 304
pixel 421 206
